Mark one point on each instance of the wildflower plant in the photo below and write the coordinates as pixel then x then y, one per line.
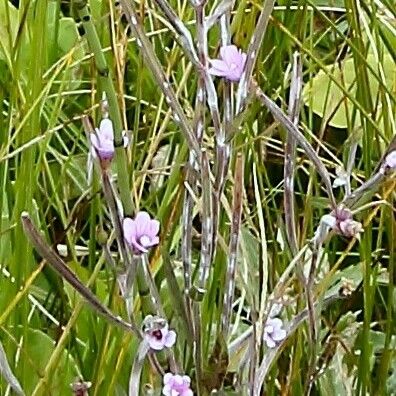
pixel 203 270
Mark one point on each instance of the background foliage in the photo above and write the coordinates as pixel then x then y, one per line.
pixel 48 80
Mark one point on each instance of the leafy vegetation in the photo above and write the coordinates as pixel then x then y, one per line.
pixel 274 194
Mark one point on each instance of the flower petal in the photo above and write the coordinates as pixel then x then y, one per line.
pixel 329 220
pixel 187 380
pixel 129 228
pixel 219 73
pixel 178 380
pixel 167 378
pixel 154 241
pixel 269 341
pixel 106 129
pixel 154 343
pixel 153 228
pixel 170 339
pixel 279 335
pixel 137 247
pixel 390 160
pixel 142 220
pixel 234 75
pixel 276 323
pixel 219 65
pixel 230 54
pixel 167 390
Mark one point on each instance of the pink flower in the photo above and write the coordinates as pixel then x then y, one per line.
pixel 103 140
pixel 341 221
pixel 351 228
pixel 231 64
pixel 141 233
pixel 177 385
pixel 273 332
pixel 157 333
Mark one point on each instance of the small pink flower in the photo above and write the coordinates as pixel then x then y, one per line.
pixel 351 228
pixel 231 64
pixel 141 233
pixel 103 140
pixel 176 385
pixel 342 223
pixel 157 333
pixel 273 332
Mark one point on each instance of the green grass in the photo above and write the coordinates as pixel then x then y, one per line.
pixel 57 59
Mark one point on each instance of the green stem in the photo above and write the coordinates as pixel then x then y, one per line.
pixel 105 78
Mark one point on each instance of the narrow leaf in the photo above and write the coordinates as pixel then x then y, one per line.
pixel 63 270
pixel 301 140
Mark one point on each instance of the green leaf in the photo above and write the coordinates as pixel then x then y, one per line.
pixel 8 31
pixel 38 349
pixel 68 36
pixel 327 100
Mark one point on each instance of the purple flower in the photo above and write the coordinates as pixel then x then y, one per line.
pixel 341 221
pixel 231 64
pixel 390 160
pixel 273 332
pixel 177 385
pixel 141 233
pixel 103 140
pixel 157 333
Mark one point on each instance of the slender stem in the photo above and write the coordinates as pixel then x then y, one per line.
pixel 252 54
pixel 290 154
pixel 187 230
pixel 182 33
pixel 206 238
pixel 234 242
pixel 198 125
pixel 111 201
pixel 137 366
pixel 197 346
pixel 290 328
pixel 301 140
pixel 313 331
pixel 223 145
pixel 154 294
pixel 178 114
pixel 105 77
pixel 222 10
pixel 351 200
pixel 7 373
pixel 63 270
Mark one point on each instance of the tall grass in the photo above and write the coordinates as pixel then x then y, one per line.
pixel 242 177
